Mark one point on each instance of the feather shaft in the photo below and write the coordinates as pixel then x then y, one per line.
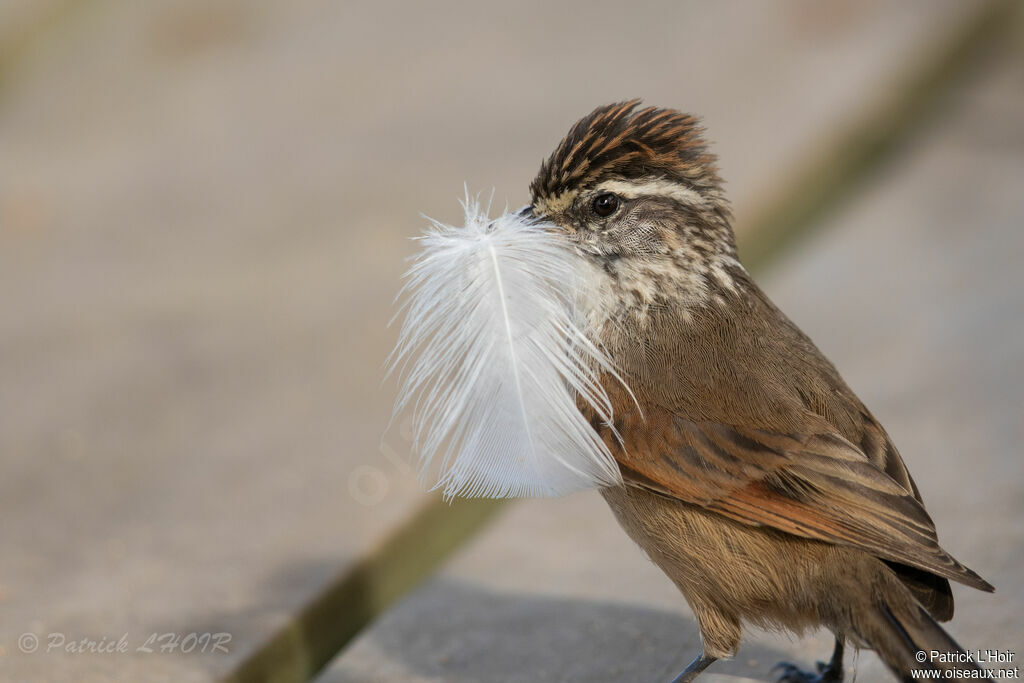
pixel 492 356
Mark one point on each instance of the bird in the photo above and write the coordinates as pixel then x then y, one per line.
pixel 752 475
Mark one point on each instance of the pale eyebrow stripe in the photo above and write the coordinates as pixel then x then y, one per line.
pixel 631 189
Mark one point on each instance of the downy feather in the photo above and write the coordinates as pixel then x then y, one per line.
pixel 492 358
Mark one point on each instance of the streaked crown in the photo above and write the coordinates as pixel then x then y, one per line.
pixel 619 141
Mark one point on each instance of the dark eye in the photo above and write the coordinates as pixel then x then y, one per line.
pixel 605 204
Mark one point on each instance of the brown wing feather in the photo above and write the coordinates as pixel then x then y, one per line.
pixel 817 486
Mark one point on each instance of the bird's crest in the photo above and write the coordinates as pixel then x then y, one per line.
pixel 618 140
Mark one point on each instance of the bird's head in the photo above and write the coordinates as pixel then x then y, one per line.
pixel 639 195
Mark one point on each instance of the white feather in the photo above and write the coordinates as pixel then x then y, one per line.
pixel 492 358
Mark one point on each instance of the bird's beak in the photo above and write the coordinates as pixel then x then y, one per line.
pixel 524 214
pixel 527 213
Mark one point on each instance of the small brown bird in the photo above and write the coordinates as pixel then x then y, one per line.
pixel 754 477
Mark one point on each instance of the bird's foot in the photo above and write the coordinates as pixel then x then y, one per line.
pixel 790 673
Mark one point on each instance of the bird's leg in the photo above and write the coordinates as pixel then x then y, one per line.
pixel 693 669
pixel 827 673
pixel 834 668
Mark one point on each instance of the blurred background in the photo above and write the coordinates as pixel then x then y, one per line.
pixel 204 214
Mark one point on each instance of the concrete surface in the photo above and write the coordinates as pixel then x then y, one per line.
pixel 915 291
pixel 203 213
pixel 20 20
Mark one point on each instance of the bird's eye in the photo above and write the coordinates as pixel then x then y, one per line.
pixel 605 204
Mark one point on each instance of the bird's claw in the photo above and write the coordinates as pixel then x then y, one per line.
pixel 790 673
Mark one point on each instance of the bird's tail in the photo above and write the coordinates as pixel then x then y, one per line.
pixel 915 647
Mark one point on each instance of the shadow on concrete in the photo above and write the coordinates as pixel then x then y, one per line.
pixel 457 631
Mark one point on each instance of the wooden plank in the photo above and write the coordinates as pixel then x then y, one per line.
pixel 202 213
pixel 913 289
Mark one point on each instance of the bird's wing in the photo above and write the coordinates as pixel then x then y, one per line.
pixel 817 486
